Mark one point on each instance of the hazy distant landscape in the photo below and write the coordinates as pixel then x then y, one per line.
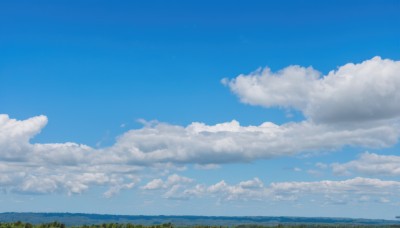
pixel 80 219
pixel 19 224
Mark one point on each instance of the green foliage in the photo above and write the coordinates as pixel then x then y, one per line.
pixel 20 224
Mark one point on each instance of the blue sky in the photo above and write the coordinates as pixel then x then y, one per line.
pixel 129 107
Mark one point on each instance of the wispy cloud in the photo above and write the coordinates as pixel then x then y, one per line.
pixel 370 164
pixel 356 190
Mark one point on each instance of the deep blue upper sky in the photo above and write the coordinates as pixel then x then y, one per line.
pixel 97 64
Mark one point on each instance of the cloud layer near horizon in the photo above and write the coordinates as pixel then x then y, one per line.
pixel 355 190
pixel 370 164
pixel 355 105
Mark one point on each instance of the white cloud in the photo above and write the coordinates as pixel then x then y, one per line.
pixel 175 179
pixel 197 143
pixel 203 144
pixel 365 96
pixel 15 136
pixel 367 91
pixel 174 185
pixel 52 168
pixel 117 188
pixel 245 190
pixel 355 186
pixel 251 184
pixel 175 193
pixel 370 164
pixel 288 87
pixel 74 168
pixel 154 184
pixel 166 144
pixel 28 178
pixel 170 182
pixel 356 190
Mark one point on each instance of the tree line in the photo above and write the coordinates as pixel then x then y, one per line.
pixel 20 224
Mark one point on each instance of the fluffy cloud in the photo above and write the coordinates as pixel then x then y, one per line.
pixel 230 142
pixel 171 181
pixel 173 185
pixel 367 91
pixel 370 164
pixel 197 143
pixel 245 190
pixel 289 87
pixel 58 167
pixel 40 179
pixel 15 136
pixel 364 96
pixel 154 184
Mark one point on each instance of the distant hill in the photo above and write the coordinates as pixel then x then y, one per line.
pixel 74 219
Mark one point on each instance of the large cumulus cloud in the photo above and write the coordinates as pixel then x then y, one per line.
pixel 356 105
pixel 230 142
pixel 196 143
pixel 367 91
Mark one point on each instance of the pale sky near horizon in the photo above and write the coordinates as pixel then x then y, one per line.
pixel 285 108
